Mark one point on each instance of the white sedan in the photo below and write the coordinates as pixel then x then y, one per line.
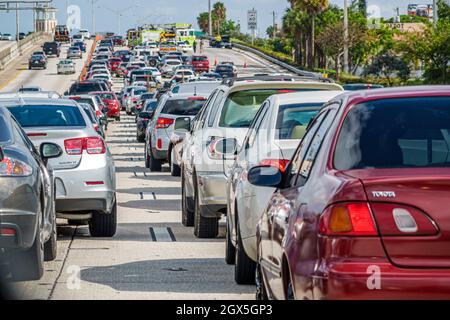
pixel 66 66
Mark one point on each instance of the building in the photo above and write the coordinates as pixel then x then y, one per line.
pixel 45 19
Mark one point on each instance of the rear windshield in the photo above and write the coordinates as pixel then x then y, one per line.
pixel 183 107
pixel 241 107
pixel 139 92
pixel 47 116
pixel 293 119
pixel 395 133
pixel 85 100
pixel 151 106
pixel 107 96
pixel 199 58
pixel 172 62
pixel 4 131
pixel 87 87
pixel 50 45
pixel 147 96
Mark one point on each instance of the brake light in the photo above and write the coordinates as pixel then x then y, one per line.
pixel 285 91
pixel 348 219
pixel 281 164
pixel 98 113
pixel 10 167
pixel 164 123
pixel 7 232
pixel 196 98
pixel 92 145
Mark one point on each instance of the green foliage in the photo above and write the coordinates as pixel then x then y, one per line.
pixel 386 66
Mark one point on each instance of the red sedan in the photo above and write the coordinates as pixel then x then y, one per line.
pixel 111 102
pixel 362 210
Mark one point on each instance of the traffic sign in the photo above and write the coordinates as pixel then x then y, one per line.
pixel 252 19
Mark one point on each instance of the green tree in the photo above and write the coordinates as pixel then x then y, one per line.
pixel 361 6
pixel 295 27
pixel 387 66
pixel 312 8
pixel 219 14
pixel 443 9
pixel 203 21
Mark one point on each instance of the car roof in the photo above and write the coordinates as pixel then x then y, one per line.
pixel 308 97
pixel 258 84
pixel 30 95
pixel 182 96
pixel 38 101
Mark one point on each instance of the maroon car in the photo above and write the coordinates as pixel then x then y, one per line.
pixel 362 210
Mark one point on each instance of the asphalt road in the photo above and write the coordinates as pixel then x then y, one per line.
pixel 133 265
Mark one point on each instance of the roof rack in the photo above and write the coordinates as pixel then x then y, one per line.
pixel 267 77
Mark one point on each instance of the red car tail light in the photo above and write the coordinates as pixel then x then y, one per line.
pixel 92 145
pixel 7 232
pixel 10 167
pixel 400 220
pixel 281 164
pixel 98 113
pixel 348 219
pixel 164 123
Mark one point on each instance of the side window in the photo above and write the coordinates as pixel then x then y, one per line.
pixel 21 137
pixel 254 128
pixel 215 104
pixel 200 119
pixel 303 148
pixel 314 148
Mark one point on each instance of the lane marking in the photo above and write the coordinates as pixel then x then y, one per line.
pixel 162 234
pixel 15 76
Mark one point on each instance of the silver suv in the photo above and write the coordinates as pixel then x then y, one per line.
pixel 161 126
pixel 215 136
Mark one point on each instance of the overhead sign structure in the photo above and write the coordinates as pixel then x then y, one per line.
pixel 252 19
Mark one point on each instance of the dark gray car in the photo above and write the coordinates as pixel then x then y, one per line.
pixel 27 203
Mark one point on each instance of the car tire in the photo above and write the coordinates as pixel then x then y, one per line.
pixel 51 246
pixel 187 214
pixel 244 268
pixel 153 164
pixel 147 158
pixel 29 265
pixel 204 228
pixel 104 225
pixel 261 293
pixel 230 250
pixel 175 170
pixel 140 138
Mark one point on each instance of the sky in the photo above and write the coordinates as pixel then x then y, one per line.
pixel 135 12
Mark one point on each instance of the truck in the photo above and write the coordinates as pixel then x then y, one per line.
pixel 62 34
pixel 150 36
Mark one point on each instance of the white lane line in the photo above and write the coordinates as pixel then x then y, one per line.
pixel 162 234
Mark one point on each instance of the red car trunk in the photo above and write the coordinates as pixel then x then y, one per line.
pixel 411 213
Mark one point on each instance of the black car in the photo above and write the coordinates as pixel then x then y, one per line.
pixel 37 61
pixel 52 48
pixel 226 70
pixel 144 117
pixel 27 202
pixel 84 87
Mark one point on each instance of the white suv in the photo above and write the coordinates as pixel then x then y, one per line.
pixel 210 146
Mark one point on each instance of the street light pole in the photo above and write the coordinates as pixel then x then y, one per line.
pixel 435 13
pixel 346 67
pixel 274 31
pixel 209 18
pixel 93 17
pixel 17 21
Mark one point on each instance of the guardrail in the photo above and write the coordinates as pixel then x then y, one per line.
pixel 282 64
pixel 10 52
pixel 89 59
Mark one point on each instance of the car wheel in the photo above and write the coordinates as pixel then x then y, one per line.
pixel 187 214
pixel 261 293
pixel 153 164
pixel 147 158
pixel 50 247
pixel 230 250
pixel 104 225
pixel 29 265
pixel 244 269
pixel 140 138
pixel 175 170
pixel 204 228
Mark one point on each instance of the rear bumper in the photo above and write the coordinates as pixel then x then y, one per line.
pixel 113 113
pixel 74 194
pixel 377 281
pixel 25 226
pixel 212 193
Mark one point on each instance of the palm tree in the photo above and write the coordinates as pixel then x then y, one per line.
pixel 203 22
pixel 312 8
pixel 295 23
pixel 361 5
pixel 219 12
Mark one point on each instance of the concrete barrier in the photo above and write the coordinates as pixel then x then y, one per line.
pixel 10 52
pixel 282 64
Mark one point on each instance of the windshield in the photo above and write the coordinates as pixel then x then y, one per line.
pixel 241 107
pixel 293 119
pixel 184 107
pixel 47 116
pixel 395 133
pixel 88 87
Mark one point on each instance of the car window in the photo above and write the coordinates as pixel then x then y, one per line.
pixel 23 138
pixel 204 112
pixel 254 128
pixel 303 148
pixel 293 119
pixel 395 133
pixel 5 135
pixel 216 104
pixel 183 107
pixel 314 148
pixel 47 116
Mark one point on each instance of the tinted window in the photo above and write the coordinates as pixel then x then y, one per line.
pixel 293 119
pixel 199 58
pixel 147 96
pixel 87 87
pixel 48 116
pixel 107 96
pixel 5 134
pixel 395 133
pixel 183 107
pixel 151 106
pixel 139 92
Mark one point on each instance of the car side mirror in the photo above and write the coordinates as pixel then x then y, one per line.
pixel 265 176
pixel 183 124
pixel 49 151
